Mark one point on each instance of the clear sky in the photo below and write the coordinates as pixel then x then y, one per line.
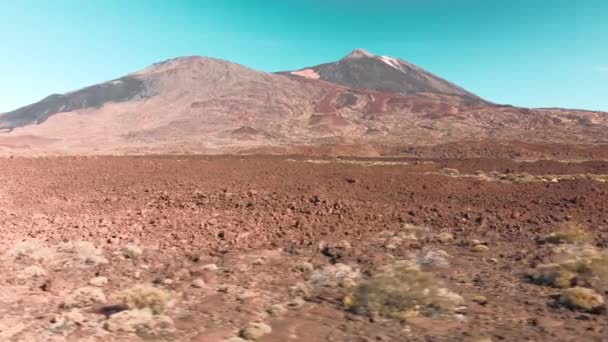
pixel 538 53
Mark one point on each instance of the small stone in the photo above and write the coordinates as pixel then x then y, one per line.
pixel 246 295
pixel 480 248
pixel 304 267
pixel 132 251
pixel 75 316
pixel 67 320
pixel 98 281
pixel 198 283
pixel 347 283
pixel 475 242
pixel 235 339
pixel 168 281
pixel 182 274
pixel 298 290
pixel 210 267
pixel 295 304
pixel 255 330
pixel 481 300
pixel 276 310
pixel 445 237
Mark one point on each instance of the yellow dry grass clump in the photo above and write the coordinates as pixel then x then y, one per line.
pixel 402 290
pixel 571 233
pixel 582 299
pixel 575 266
pixel 143 297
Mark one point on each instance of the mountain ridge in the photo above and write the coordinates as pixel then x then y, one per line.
pixel 206 105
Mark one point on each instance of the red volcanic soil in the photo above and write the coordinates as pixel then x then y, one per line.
pixel 272 226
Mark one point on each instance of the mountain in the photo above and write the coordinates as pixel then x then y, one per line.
pixel 361 105
pixel 364 70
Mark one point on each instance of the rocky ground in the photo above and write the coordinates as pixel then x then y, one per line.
pixel 297 249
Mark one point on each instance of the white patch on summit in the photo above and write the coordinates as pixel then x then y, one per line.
pixel 392 62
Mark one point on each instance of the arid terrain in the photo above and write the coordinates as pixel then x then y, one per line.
pixel 435 247
pixel 365 199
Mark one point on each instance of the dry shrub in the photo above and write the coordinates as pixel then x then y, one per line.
pixel 143 297
pixel 576 266
pixel 582 299
pixel 571 233
pixel 334 275
pixel 31 249
pixel 79 253
pixel 141 322
pixel 402 290
pixel 83 297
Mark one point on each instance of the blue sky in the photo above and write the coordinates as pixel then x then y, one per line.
pixel 537 53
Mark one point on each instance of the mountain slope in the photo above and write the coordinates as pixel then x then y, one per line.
pixel 206 105
pixel 363 70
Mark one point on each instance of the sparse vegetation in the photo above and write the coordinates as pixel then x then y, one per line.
pixel 576 266
pixel 142 322
pixel 31 249
pixel 33 271
pixel 402 290
pixel 132 251
pixel 334 276
pixel 143 297
pixel 569 234
pixel 582 299
pixel 83 297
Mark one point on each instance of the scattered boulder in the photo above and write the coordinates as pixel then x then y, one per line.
pixel 276 310
pixel 255 330
pixel 445 237
pixel 67 320
pixel 480 248
pixel 210 267
pixel 481 300
pixel 430 257
pixel 198 283
pixel 132 251
pixel 99 281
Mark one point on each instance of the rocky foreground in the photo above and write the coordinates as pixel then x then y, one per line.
pixel 278 249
